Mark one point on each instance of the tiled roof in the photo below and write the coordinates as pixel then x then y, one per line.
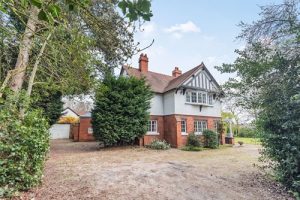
pixel 161 83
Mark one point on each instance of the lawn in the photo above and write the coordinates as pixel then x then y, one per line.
pixel 83 171
pixel 255 141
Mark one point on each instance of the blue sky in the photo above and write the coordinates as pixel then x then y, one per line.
pixel 187 33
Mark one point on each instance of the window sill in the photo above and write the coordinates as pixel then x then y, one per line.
pixel 199 104
pixel 198 133
pixel 152 133
pixel 183 133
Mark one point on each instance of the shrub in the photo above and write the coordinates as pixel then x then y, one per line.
pixel 193 140
pixel 68 120
pixel 191 148
pixel 159 144
pixel 211 139
pixel 121 111
pixel 24 143
pixel 248 132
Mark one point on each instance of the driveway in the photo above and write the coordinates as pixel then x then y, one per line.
pixel 82 171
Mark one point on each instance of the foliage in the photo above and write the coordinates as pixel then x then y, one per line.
pixel 268 82
pixel 121 111
pixel 193 140
pixel 191 148
pixel 248 132
pixel 211 139
pixel 24 144
pixel 68 120
pixel 50 102
pixel 159 144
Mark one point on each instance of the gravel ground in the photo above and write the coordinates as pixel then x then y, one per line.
pixel 83 171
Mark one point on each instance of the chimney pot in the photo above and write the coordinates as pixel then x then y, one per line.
pixel 143 63
pixel 176 72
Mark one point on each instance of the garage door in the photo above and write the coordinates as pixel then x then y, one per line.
pixel 60 131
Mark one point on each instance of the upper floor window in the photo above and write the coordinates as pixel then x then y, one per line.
pixel 199 97
pixel 152 126
pixel 200 126
pixel 194 97
pixel 210 99
pixel 188 97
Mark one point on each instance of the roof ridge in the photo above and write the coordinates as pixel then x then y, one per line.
pixel 150 71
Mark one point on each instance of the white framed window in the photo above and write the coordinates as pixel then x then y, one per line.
pixel 194 97
pixel 216 125
pixel 204 97
pixel 183 127
pixel 199 97
pixel 188 97
pixel 200 126
pixel 210 99
pixel 152 126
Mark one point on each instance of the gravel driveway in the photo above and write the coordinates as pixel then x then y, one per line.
pixel 82 171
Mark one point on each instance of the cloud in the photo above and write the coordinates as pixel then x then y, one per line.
pixel 179 29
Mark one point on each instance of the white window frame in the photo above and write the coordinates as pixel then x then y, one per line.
pixel 200 126
pixel 90 131
pixel 195 95
pixel 210 99
pixel 185 127
pixel 188 97
pixel 152 131
pixel 202 98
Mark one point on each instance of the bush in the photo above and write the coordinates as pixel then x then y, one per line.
pixel 24 144
pixel 68 120
pixel 191 148
pixel 248 132
pixel 211 139
pixel 193 140
pixel 159 144
pixel 121 111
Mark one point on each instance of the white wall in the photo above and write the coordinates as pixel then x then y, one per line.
pixel 157 105
pixel 169 103
pixel 181 107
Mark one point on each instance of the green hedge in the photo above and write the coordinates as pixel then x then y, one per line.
pixel 121 111
pixel 193 140
pixel 211 139
pixel 24 144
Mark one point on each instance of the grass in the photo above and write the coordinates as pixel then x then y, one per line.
pixel 247 140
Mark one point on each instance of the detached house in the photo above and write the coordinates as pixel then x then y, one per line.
pixel 183 102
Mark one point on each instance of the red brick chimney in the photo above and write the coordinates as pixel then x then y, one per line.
pixel 176 72
pixel 143 63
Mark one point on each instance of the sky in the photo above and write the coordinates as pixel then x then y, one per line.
pixel 188 32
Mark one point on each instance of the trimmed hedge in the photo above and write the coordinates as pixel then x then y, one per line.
pixel 211 139
pixel 24 144
pixel 121 111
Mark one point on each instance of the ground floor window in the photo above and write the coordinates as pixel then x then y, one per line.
pixel 152 126
pixel 183 126
pixel 199 126
pixel 216 125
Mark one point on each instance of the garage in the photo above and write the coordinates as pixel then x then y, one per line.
pixel 60 131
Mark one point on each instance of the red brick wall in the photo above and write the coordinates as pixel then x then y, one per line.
pixel 170 130
pixel 85 123
pixel 160 128
pixel 74 132
pixel 173 127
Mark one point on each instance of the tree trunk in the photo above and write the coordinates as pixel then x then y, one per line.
pixel 25 47
pixel 36 64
